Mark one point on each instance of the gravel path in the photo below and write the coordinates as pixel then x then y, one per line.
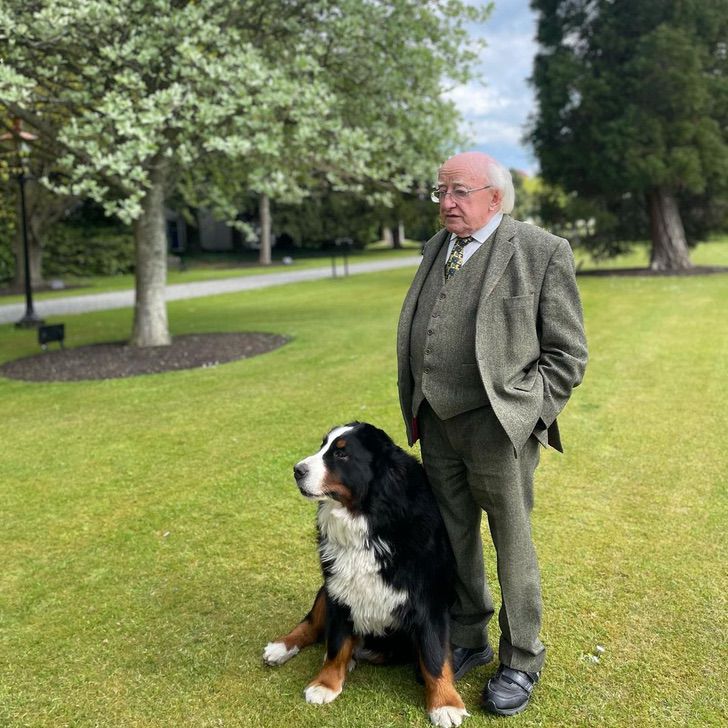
pixel 10 313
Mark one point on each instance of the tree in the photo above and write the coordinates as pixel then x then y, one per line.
pixel 218 99
pixel 633 107
pixel 43 207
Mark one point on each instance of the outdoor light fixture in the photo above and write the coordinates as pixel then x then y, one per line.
pixel 20 139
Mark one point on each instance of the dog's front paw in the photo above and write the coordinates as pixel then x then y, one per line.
pixel 448 716
pixel 320 694
pixel 275 653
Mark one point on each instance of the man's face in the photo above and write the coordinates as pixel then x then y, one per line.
pixel 464 217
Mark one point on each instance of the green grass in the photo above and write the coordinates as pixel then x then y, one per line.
pixel 153 541
pixel 714 252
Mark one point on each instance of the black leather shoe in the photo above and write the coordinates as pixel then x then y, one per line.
pixel 508 691
pixel 465 659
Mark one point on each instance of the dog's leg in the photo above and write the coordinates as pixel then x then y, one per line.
pixel 305 633
pixel 340 646
pixel 444 704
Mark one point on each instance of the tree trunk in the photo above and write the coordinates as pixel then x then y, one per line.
pixel 669 246
pixel 265 226
pixel 150 239
pixel 387 236
pixel 398 235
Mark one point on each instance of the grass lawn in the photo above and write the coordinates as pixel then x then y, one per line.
pixel 714 252
pixel 153 541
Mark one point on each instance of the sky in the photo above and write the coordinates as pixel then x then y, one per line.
pixel 497 102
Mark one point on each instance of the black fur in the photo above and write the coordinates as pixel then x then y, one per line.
pixel 389 489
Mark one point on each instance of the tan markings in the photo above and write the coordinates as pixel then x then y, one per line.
pixel 440 691
pixel 341 443
pixel 311 629
pixel 333 673
pixel 337 488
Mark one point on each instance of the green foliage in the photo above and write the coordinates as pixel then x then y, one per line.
pixel 7 231
pixel 326 215
pixel 86 250
pixel 7 259
pixel 7 221
pixel 527 190
pixel 321 219
pixel 274 98
pixel 633 97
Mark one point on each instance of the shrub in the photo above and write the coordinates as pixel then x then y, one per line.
pixel 88 250
pixel 7 259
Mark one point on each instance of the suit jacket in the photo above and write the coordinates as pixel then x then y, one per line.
pixel 529 343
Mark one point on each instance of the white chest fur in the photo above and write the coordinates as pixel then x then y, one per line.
pixel 355 578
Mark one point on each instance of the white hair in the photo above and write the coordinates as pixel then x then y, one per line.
pixel 500 177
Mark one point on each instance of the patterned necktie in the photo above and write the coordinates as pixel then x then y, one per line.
pixel 455 261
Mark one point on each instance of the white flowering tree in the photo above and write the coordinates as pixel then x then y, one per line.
pixel 213 98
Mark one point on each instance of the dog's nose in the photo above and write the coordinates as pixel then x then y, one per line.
pixel 299 471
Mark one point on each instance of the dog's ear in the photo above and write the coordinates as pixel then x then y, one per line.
pixel 377 439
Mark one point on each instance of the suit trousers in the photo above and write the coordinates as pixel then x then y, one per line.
pixel 472 468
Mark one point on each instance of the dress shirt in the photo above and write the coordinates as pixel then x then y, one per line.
pixel 478 237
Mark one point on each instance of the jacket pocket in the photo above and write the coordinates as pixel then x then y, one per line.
pixel 516 301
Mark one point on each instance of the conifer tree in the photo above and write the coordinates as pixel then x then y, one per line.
pixel 633 103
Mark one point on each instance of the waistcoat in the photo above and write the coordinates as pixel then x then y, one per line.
pixel 442 337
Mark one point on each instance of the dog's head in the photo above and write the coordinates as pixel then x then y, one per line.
pixel 345 466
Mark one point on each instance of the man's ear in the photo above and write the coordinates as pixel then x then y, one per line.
pixel 496 201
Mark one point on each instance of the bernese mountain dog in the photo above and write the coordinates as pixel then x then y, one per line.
pixel 387 568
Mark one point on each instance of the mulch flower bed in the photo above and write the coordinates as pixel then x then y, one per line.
pixel 116 360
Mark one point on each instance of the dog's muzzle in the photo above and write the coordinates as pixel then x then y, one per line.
pixel 300 473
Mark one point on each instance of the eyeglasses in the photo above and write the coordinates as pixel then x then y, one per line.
pixel 458 193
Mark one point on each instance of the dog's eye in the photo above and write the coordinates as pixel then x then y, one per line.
pixel 340 454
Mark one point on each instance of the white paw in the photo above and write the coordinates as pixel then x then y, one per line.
pixel 318 694
pixel 448 716
pixel 275 653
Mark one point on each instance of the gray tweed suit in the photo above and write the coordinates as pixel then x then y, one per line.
pixel 486 361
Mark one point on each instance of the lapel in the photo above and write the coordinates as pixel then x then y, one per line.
pixel 501 252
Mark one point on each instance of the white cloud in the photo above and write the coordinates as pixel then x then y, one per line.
pixel 474 99
pixel 493 132
pixel 496 105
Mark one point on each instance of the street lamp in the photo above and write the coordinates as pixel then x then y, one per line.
pixel 21 138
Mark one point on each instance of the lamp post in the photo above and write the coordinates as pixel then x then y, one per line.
pixel 21 139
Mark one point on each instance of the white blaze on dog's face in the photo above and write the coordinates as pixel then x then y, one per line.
pixel 313 476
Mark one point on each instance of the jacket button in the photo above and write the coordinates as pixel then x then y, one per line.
pixel 428 351
pixel 443 295
pixel 429 332
pixel 427 370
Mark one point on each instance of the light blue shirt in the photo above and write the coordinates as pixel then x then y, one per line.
pixel 478 237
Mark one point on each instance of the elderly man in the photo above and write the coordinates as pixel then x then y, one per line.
pixel 490 344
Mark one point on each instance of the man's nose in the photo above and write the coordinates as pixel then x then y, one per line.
pixel 447 202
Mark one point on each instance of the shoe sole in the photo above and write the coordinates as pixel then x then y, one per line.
pixel 490 707
pixel 474 661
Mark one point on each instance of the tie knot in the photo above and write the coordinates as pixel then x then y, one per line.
pixel 462 242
